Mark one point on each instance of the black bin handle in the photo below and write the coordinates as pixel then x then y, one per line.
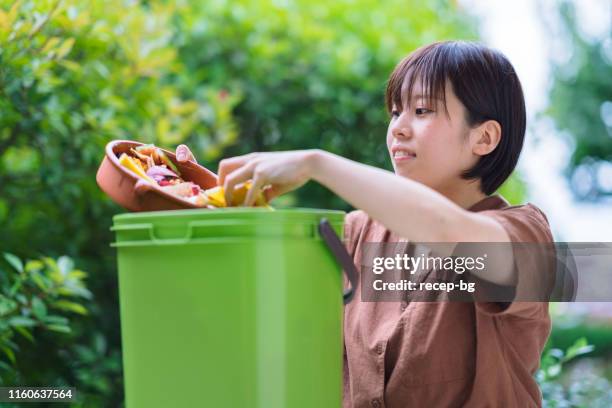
pixel 339 251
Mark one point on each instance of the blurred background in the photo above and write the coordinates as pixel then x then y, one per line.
pixel 228 78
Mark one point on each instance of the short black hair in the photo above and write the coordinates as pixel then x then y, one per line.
pixel 486 84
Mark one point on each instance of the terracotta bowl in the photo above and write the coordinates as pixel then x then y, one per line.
pixel 134 194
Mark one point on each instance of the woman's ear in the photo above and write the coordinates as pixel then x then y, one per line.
pixel 486 137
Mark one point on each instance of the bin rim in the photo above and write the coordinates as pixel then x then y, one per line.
pixel 178 227
pixel 220 212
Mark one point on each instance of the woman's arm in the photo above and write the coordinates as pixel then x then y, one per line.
pixel 413 210
pixel 408 208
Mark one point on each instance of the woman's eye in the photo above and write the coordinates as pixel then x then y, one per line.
pixel 421 111
pixel 395 113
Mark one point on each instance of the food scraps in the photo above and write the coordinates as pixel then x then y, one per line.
pixel 150 163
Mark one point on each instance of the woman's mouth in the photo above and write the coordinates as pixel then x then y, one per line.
pixel 402 155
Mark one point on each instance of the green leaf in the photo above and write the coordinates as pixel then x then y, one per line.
pixel 24 332
pixel 65 265
pixel 77 274
pixel 75 291
pixel 7 305
pixel 579 348
pixel 15 288
pixel 59 328
pixel 10 354
pixel 554 370
pixel 50 44
pixel 34 265
pixel 14 262
pixel 22 321
pixel 65 48
pixel 38 308
pixel 70 306
pixel 54 319
pixel 40 280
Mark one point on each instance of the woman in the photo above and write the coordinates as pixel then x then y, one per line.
pixel 456 130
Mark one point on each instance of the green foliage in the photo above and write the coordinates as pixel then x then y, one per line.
pixel 553 359
pixel 35 297
pixel 74 75
pixel 580 93
pixel 585 391
pixel 599 335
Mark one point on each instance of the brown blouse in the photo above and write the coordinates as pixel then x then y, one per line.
pixel 445 354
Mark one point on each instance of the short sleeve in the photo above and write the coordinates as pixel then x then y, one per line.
pixel 353 223
pixel 529 232
pixel 525 223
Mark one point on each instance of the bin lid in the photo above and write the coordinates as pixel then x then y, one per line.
pixel 186 226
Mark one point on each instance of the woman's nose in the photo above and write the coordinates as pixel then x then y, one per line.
pixel 401 132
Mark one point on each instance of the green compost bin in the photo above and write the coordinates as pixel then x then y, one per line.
pixel 236 307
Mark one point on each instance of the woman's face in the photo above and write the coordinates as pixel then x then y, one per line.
pixel 428 146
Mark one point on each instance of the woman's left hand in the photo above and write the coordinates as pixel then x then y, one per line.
pixel 274 172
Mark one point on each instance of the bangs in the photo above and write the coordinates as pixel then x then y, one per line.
pixel 427 66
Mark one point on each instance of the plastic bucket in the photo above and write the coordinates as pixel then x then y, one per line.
pixel 236 307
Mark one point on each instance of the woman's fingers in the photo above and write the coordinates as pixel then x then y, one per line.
pixel 239 169
pixel 183 154
pixel 240 175
pixel 272 174
pixel 227 166
pixel 257 183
